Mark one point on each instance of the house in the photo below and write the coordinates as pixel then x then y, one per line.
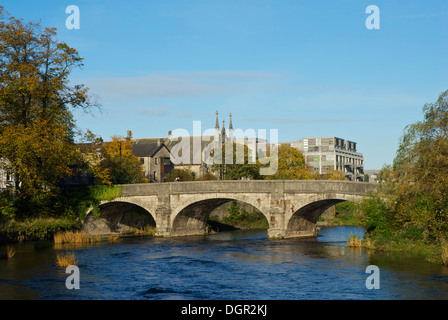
pixel 154 157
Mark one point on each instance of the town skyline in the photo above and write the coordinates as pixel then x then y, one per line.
pixel 306 69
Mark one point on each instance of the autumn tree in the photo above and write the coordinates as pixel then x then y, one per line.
pixel 333 174
pixel 291 165
pixel 37 128
pixel 118 160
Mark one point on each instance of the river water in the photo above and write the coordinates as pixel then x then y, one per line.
pixel 224 266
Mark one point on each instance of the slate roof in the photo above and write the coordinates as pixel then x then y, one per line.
pixel 145 149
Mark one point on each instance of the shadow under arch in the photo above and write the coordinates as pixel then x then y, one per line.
pixel 118 217
pixel 192 219
pixel 303 221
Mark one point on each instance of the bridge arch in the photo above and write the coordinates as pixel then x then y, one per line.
pixel 191 217
pixel 303 221
pixel 118 216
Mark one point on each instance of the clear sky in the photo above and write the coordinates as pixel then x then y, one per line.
pixel 306 68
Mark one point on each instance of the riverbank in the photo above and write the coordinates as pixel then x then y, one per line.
pixel 434 253
pixel 31 229
pixel 349 214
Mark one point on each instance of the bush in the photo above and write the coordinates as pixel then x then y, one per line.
pixel 182 174
pixel 377 216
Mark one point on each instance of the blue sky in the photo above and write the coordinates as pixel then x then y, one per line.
pixel 306 68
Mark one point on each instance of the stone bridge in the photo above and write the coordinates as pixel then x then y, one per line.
pixel 291 207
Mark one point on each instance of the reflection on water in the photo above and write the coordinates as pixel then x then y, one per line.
pixel 228 265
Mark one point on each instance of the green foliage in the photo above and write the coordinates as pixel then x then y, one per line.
pixel 235 165
pixel 377 216
pixel 35 228
pixel 76 202
pixel 412 199
pixel 241 218
pixel 7 205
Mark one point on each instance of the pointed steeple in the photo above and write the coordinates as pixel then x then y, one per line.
pixel 223 132
pixel 230 128
pixel 217 123
pixel 217 138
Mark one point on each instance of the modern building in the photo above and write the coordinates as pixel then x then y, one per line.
pixel 324 153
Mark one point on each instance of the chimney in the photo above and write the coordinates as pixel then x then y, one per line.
pixel 129 136
pixel 169 135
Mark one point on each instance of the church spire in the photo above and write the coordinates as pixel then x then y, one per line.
pixel 230 127
pixel 217 123
pixel 217 128
pixel 223 132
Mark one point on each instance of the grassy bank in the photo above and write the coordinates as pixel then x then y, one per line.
pixel 435 253
pixel 35 228
pixel 65 213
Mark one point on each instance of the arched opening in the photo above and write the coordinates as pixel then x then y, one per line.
pixel 236 215
pixel 194 218
pixel 343 213
pixel 303 221
pixel 119 217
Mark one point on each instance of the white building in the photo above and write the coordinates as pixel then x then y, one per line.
pixel 324 153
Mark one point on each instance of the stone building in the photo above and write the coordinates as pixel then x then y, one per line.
pixel 154 157
pixel 324 153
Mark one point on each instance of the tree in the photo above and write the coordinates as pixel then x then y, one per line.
pixel 34 73
pixel 235 163
pixel 332 174
pixel 37 128
pixel 291 165
pixel 415 188
pixel 182 174
pixel 117 159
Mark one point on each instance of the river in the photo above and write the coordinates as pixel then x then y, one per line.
pixel 225 266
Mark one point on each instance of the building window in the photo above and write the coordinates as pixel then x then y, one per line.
pixel 156 160
pixel 142 160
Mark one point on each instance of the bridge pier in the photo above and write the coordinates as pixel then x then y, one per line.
pixel 163 224
pixel 276 223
